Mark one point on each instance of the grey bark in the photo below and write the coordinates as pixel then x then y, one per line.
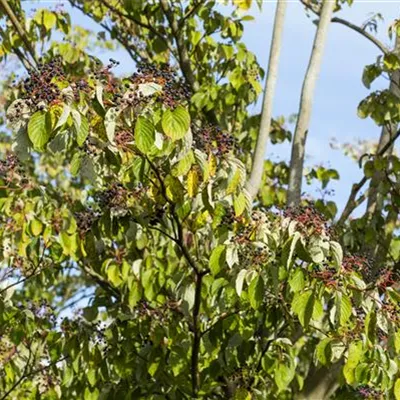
pixel 254 182
pixel 304 115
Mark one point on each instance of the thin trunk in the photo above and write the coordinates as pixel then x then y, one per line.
pixel 254 181
pixel 300 135
pixel 321 383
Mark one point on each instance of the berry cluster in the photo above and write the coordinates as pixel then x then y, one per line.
pixel 157 215
pixel 40 87
pixel 386 279
pixel 123 138
pixel 7 350
pixel 328 275
pixel 309 220
pixel 79 87
pixel 105 75
pixel 229 217
pixel 369 393
pixel 212 139
pixel 359 264
pixel 174 92
pixel 43 310
pixel 115 196
pixel 47 381
pixel 10 167
pixel 90 148
pixel 57 222
pixel 85 220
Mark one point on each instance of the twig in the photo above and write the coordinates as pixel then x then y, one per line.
pixel 24 376
pixel 189 13
pixel 352 26
pixel 136 21
pixel 351 202
pixel 363 32
pixel 18 27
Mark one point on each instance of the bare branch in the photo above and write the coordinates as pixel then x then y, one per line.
pixel 351 202
pixel 363 32
pixel 360 30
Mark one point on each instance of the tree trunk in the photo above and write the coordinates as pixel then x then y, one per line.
pixel 321 383
pixel 254 182
pixel 300 135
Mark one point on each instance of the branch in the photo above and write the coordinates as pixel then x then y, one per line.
pixel 362 32
pixel 25 375
pixel 197 336
pixel 350 25
pixel 183 54
pixel 189 13
pixel 18 27
pixel 351 202
pixel 136 21
pixel 25 61
pixel 198 283
pixel 33 274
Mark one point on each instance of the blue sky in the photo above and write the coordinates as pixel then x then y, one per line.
pixel 339 88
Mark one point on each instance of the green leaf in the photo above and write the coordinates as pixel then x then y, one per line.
pixel 49 19
pixel 283 376
pixel 256 292
pixel 291 246
pixel 240 281
pixel 397 389
pixel 239 204
pixel 337 253
pixel 234 182
pixel 323 351
pixel 113 274
pixel 64 116
pixel 176 123
pixel 303 305
pixel 99 95
pixel 355 355
pixel 83 131
pixel 184 165
pixel 39 129
pixel 370 326
pixel 296 281
pixel 110 122
pixel 344 308
pixel 144 135
pixel 217 259
pixel 68 377
pixel 76 164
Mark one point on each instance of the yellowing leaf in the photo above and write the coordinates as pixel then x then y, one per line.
pixel 242 4
pixel 397 389
pixel 212 165
pixel 192 183
pixel 36 227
